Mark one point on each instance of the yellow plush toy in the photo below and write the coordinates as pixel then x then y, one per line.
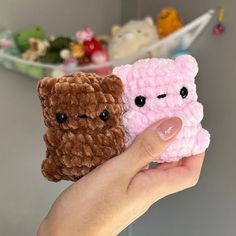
pixel 168 21
pixel 77 49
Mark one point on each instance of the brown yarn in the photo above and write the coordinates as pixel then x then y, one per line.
pixel 83 141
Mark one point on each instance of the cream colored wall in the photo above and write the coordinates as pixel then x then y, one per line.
pixel 25 195
pixel 210 208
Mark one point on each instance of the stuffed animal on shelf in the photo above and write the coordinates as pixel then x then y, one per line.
pixel 77 49
pixel 168 21
pixel 85 60
pixel 159 88
pixel 90 43
pixel 53 54
pixel 70 65
pixel 37 49
pixel 83 113
pixel 104 41
pixel 98 58
pixel 22 38
pixel 60 43
pixel 134 35
pixel 8 46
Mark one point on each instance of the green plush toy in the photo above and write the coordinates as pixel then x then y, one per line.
pixel 52 55
pixel 60 43
pixel 22 38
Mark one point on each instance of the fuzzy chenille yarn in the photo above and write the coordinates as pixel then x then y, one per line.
pixel 158 88
pixel 83 113
pixel 90 117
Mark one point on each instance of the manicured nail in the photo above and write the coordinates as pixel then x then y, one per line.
pixel 169 128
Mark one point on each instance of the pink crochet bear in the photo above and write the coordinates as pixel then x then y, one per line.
pixel 159 88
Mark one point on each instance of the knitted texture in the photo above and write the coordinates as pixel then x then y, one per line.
pixel 159 88
pixel 83 113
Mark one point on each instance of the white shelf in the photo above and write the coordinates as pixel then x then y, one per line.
pixel 180 39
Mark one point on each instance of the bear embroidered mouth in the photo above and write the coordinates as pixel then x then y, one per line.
pixel 83 116
pixel 161 96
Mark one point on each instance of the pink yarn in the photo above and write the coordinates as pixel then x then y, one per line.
pixel 5 43
pixel 85 34
pixel 153 77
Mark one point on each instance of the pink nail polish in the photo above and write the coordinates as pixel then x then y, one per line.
pixel 169 128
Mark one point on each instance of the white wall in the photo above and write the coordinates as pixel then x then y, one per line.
pixel 25 195
pixel 210 208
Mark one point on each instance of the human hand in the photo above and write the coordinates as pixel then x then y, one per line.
pixel 113 195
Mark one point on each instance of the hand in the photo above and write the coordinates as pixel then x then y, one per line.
pixel 113 195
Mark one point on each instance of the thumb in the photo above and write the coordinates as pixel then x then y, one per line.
pixel 150 144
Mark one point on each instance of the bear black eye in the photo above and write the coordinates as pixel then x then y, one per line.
pixel 61 117
pixel 104 115
pixel 183 92
pixel 140 101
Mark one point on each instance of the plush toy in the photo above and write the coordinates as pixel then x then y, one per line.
pixel 159 88
pixel 65 54
pixel 90 43
pixel 98 58
pixel 70 65
pixel 104 41
pixel 85 60
pixel 131 37
pixel 37 49
pixel 7 43
pixel 77 49
pixel 168 21
pixel 22 38
pixel 8 46
pixel 51 58
pixel 60 43
pixel 83 113
pixel 53 54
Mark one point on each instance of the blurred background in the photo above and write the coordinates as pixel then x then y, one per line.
pixel 209 209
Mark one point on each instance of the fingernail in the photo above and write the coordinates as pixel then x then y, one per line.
pixel 169 128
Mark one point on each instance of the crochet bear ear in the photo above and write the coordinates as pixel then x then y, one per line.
pixel 122 72
pixel 187 65
pixel 45 86
pixel 112 84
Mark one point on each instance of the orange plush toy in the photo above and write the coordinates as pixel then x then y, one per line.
pixel 83 113
pixel 168 21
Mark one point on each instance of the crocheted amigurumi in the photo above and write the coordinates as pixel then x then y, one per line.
pixel 158 88
pixel 83 113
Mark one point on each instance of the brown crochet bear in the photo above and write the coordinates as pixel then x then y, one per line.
pixel 83 113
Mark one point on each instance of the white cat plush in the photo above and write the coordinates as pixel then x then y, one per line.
pixel 131 37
